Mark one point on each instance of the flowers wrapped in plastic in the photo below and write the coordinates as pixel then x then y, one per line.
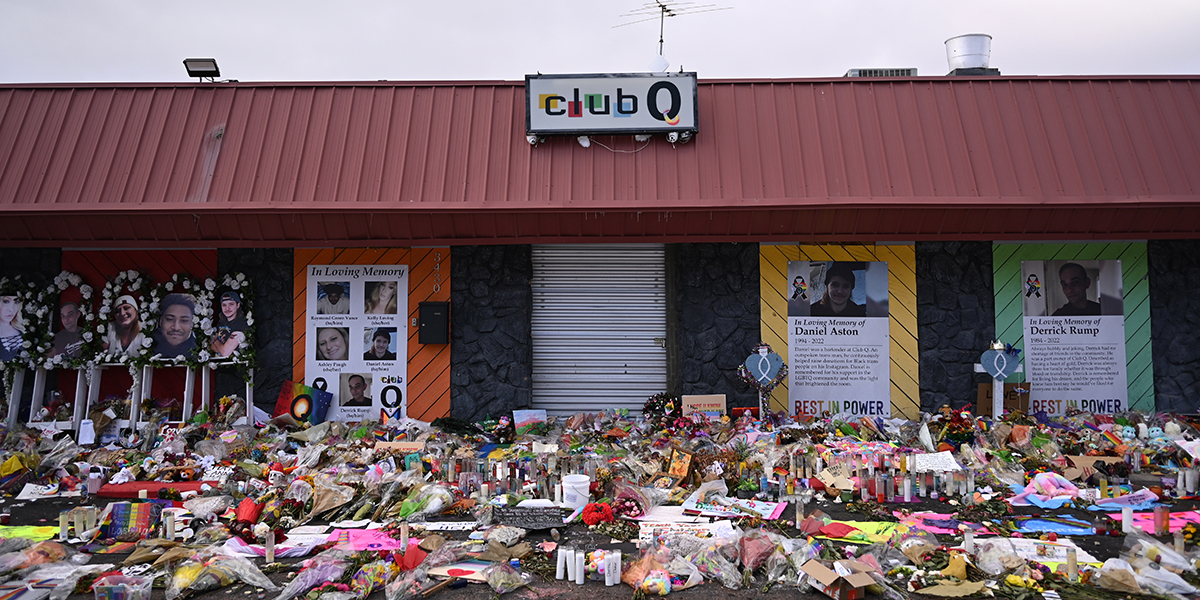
pixel 503 578
pixel 326 566
pixel 214 568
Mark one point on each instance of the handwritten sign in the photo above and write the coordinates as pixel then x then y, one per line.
pixel 533 517
pixel 712 405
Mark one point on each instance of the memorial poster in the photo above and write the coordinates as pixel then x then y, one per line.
pixel 357 339
pixel 1074 325
pixel 838 338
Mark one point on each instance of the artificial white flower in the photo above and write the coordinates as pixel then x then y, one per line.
pixel 249 320
pixel 170 286
pixel 87 336
pixel 235 285
pixel 100 328
pixel 131 273
pixel 62 285
pixel 146 342
pixel 241 277
pixel 187 284
pixel 86 290
pixel 27 344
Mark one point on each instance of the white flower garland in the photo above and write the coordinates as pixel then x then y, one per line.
pixel 25 293
pixel 244 355
pixel 48 302
pixel 131 281
pixel 182 284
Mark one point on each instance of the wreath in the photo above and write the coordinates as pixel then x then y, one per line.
pixel 764 389
pixel 25 323
pixel 202 311
pixel 48 300
pixel 244 355
pixel 116 288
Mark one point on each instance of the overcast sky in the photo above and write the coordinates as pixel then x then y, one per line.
pixel 353 40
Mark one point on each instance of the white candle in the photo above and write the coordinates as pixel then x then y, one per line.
pixel 143 494
pixel 570 560
pixel 561 568
pixel 403 537
pixel 558 493
pixel 1072 565
pixel 608 569
pixel 616 567
pixel 169 523
pixel 580 567
pixel 908 489
pixel 63 525
pixel 969 541
pixel 1126 519
pixel 270 547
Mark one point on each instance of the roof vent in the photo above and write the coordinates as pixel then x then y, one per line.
pixel 969 54
pixel 881 73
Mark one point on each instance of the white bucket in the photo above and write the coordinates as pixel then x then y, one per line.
pixel 969 51
pixel 576 490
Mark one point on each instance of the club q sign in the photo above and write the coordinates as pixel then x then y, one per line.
pixel 626 103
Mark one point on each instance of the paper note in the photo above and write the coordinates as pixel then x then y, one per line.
pixel 935 462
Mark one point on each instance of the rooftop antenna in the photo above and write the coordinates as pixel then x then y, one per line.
pixel 661 9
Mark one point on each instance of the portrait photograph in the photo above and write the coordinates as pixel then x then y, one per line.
pixel 333 343
pixel 355 390
pixel 173 334
pixel 333 298
pixel 1071 288
pixel 380 343
pixel 380 297
pixel 230 325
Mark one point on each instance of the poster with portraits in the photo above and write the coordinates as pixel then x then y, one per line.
pixel 357 339
pixel 1074 326
pixel 838 338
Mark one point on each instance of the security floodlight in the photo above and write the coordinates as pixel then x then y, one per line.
pixel 202 67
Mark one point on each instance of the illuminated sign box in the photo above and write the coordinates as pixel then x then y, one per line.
pixel 624 103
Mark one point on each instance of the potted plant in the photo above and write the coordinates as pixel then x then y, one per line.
pixel 746 489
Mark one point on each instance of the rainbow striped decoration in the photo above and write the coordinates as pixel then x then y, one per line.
pixel 127 516
pixel 1112 437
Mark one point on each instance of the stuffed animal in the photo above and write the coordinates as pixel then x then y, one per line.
pixel 657 582
pixel 1128 433
pixel 1173 430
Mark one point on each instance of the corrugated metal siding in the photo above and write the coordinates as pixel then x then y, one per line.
pixel 390 163
pixel 599 326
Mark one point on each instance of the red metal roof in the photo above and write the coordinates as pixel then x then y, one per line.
pixel 388 163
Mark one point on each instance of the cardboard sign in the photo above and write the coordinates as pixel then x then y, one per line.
pixel 1083 467
pixel 1013 401
pixel 533 517
pixel 712 405
pixel 401 446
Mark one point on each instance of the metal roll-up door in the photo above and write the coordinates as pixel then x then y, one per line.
pixel 599 326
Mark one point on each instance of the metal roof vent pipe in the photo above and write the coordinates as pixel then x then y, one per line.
pixel 969 54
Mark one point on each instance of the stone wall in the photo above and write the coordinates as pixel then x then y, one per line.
pixel 1174 269
pixel 717 318
pixel 956 319
pixel 491 312
pixel 270 270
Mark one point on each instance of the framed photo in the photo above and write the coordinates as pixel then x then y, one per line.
pixel 663 481
pixel 681 463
